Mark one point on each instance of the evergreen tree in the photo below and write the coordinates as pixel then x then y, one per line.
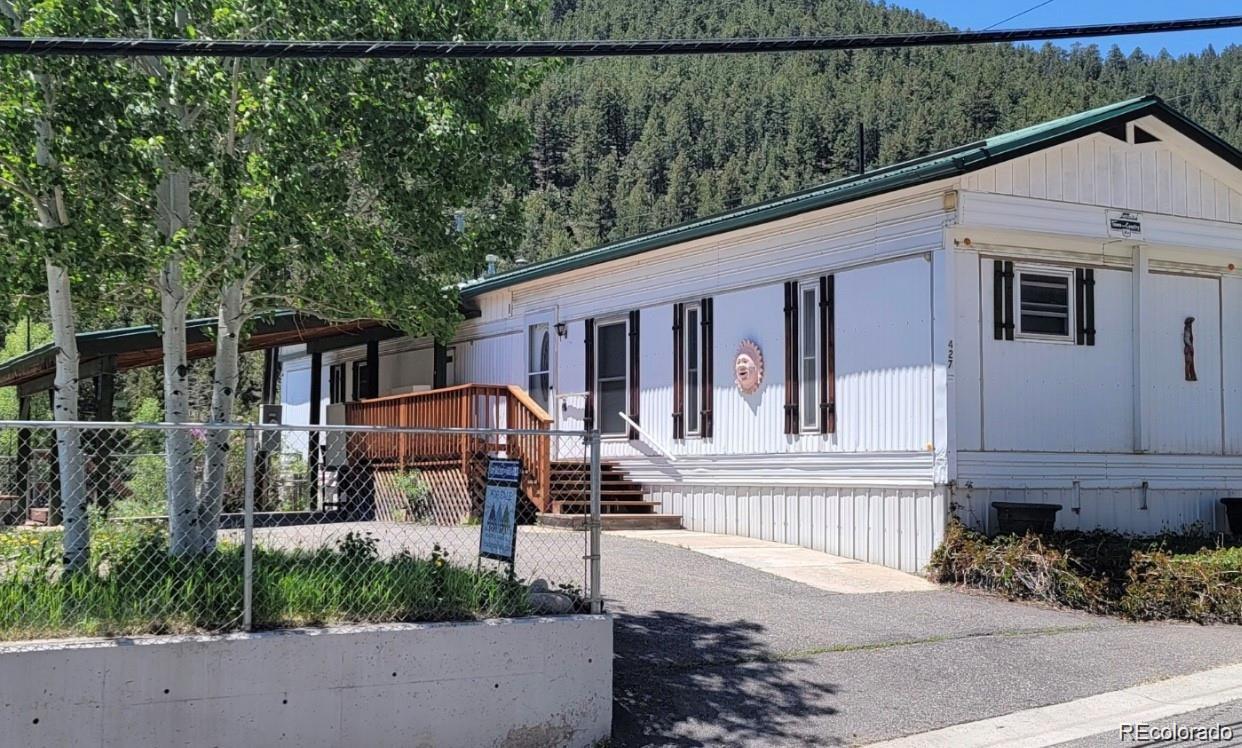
pixel 625 145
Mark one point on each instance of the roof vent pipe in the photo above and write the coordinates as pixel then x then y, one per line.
pixel 862 149
pixel 491 265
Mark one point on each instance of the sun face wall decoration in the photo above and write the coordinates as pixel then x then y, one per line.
pixel 748 367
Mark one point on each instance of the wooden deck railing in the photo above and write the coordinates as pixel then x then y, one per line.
pixel 473 406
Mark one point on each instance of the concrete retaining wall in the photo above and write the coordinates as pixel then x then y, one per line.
pixel 521 682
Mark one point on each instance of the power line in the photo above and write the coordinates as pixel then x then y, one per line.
pixel 1017 15
pixel 101 47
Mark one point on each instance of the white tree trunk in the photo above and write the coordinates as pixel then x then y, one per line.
pixel 223 394
pixel 65 408
pixel 178 443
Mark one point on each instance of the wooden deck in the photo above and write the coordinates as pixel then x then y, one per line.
pixel 554 487
pixel 467 406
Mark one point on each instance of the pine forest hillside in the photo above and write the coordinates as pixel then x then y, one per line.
pixel 625 145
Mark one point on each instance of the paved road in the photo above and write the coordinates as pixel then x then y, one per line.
pixel 712 653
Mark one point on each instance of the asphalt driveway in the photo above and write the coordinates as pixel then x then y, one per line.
pixel 712 653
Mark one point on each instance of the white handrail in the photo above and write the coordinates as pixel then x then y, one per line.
pixel 647 437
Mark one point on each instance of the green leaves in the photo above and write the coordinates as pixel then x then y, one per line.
pixel 330 185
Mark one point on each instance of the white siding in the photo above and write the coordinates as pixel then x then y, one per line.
pixel 966 370
pixel 883 364
pixel 1059 397
pixel 1179 416
pixel 1084 228
pixel 884 385
pixel 500 359
pixel 1231 360
pixel 1101 170
pixel 806 469
pixel 868 231
pixel 1031 470
pixel 405 368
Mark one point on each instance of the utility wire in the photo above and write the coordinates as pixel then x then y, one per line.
pixel 1018 15
pixel 98 47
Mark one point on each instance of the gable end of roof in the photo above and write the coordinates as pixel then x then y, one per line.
pixel 940 165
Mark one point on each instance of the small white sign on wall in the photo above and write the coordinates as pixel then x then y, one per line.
pixel 1125 224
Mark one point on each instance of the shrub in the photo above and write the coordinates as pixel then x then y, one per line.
pixel 1152 578
pixel 1017 567
pixel 1204 587
pixel 145 488
pixel 417 493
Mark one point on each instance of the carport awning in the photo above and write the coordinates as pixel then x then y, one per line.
pixel 121 349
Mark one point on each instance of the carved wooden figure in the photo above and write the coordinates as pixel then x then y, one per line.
pixel 1188 349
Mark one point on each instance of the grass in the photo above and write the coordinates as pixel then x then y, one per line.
pixel 133 586
pixel 1185 576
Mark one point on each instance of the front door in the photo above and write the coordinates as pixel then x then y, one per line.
pixel 541 361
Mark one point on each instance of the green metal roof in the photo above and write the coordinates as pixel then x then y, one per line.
pixel 90 345
pixel 941 165
pixel 141 345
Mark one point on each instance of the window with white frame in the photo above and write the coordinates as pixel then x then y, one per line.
pixel 539 363
pixel 1044 304
pixel 336 383
pixel 359 381
pixel 612 376
pixel 692 356
pixel 808 355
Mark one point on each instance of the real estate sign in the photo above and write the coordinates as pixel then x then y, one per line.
pixel 500 502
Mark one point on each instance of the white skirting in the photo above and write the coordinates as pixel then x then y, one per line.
pixel 1133 510
pixel 895 527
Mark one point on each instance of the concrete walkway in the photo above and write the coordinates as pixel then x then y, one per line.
pixel 812 568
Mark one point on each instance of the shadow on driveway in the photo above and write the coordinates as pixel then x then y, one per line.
pixel 684 680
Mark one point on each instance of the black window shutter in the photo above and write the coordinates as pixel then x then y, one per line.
pixel 1008 300
pixel 998 300
pixel 707 373
pixel 1080 297
pixel 679 364
pixel 1089 304
pixel 588 404
pixel 1002 300
pixel 635 389
pixel 828 359
pixel 791 357
pixel 1084 305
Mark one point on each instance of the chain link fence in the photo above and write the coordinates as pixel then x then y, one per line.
pixel 112 529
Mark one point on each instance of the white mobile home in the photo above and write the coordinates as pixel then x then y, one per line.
pixel 1048 315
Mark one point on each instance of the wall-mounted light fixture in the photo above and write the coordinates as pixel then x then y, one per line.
pixel 561 329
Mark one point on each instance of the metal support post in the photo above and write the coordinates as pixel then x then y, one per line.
pixel 594 523
pixel 248 534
